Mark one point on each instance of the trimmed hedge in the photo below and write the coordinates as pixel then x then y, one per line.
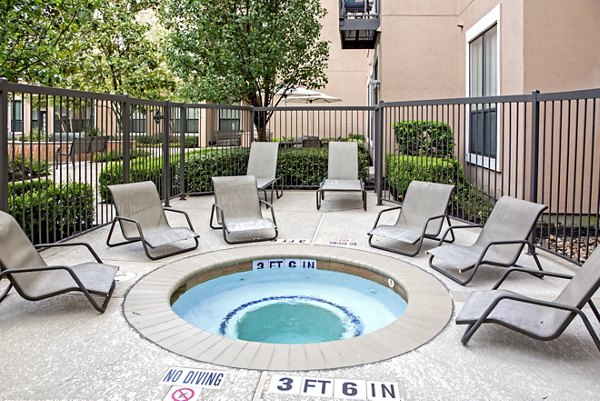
pixel 200 167
pixel 49 212
pixel 142 169
pixel 424 138
pixel 298 167
pixel 469 202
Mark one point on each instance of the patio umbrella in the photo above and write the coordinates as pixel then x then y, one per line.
pixel 316 97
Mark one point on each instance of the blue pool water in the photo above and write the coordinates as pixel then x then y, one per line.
pixel 290 306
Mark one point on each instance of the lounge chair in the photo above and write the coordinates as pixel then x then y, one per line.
pixel 539 319
pixel 79 146
pixel 98 144
pixel 263 165
pixel 421 216
pixel 34 280
pixel 342 172
pixel 237 211
pixel 141 217
pixel 500 242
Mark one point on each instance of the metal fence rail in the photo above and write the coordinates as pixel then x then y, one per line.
pixel 59 149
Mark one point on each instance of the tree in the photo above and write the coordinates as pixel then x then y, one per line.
pixel 36 36
pixel 245 50
pixel 117 54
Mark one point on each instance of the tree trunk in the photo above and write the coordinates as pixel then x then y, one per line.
pixel 260 122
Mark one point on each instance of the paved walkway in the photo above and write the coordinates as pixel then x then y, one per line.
pixel 62 349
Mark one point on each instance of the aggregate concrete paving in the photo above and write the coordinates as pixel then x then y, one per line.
pixel 62 349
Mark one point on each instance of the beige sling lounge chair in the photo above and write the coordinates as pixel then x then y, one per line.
pixel 237 211
pixel 34 280
pixel 500 242
pixel 141 217
pixel 421 216
pixel 536 318
pixel 342 172
pixel 262 164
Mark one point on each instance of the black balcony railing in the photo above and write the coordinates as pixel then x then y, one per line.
pixel 359 23
pixel 539 147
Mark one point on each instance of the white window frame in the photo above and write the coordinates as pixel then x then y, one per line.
pixel 490 19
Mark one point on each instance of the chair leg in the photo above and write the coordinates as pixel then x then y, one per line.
pixel 212 215
pixel 110 233
pixel 5 292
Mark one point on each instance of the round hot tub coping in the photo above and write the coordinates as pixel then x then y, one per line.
pixel 147 307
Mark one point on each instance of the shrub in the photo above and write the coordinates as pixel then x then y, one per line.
pixel 200 167
pixel 468 201
pixel 49 212
pixel 424 138
pixel 19 169
pixel 116 155
pixel 35 135
pixel 298 167
pixel 142 169
pixel 402 169
pixel 192 141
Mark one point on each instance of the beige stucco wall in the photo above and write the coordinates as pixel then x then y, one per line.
pixel 417 50
pixel 562 45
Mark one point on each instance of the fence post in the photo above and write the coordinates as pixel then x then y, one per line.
pixel 126 123
pixel 3 145
pixel 378 137
pixel 182 131
pixel 535 143
pixel 166 150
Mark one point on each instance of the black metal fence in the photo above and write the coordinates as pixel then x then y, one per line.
pixel 59 149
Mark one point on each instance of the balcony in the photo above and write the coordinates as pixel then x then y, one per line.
pixel 359 23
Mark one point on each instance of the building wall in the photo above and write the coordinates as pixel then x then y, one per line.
pixel 561 45
pixel 549 45
pixel 417 50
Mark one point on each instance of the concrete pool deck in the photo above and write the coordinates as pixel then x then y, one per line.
pixel 61 348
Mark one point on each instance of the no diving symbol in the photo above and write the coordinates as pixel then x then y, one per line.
pixel 183 394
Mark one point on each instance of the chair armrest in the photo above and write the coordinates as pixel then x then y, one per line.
pixel 269 206
pixel 88 246
pixel 527 300
pixel 451 228
pixel 168 209
pixel 384 211
pixel 429 220
pixel 530 272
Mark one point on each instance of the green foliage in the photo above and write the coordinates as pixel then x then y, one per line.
pixel 424 138
pixel 245 50
pixel 49 212
pixel 402 169
pixel 117 53
pixel 116 155
pixel 35 135
pixel 192 141
pixel 142 169
pixel 20 169
pixel 298 167
pixel 37 37
pixel 469 202
pixel 200 167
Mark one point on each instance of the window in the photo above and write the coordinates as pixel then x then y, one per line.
pixel 138 121
pixel 482 80
pixel 16 117
pixel 229 120
pixel 193 115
